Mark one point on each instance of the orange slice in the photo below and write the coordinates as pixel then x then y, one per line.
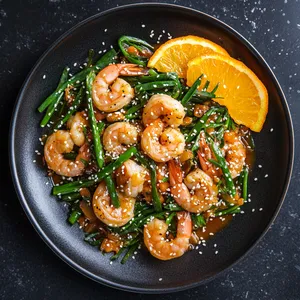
pixel 242 92
pixel 174 55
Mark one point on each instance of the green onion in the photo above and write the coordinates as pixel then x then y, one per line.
pixel 51 108
pixel 126 41
pixel 90 58
pixel 170 218
pixel 105 60
pixel 245 183
pixel 70 155
pixel 118 254
pixel 149 164
pixel 201 123
pixel 129 253
pixel 112 191
pixel 223 165
pixel 131 112
pixel 187 97
pixel 92 239
pixel 71 197
pixel 74 216
pixel 77 185
pixel 96 136
pixel 229 211
pixel 76 103
pixel 198 221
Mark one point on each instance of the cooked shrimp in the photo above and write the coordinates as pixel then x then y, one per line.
pixel 119 135
pixel 111 93
pixel 197 193
pixel 76 124
pixel 204 154
pixel 235 153
pixel 162 145
pixel 109 214
pixel 130 178
pixel 161 248
pixel 169 110
pixel 61 142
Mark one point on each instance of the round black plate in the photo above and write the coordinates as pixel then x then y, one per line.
pixel 274 152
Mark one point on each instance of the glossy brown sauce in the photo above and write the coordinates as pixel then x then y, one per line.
pixel 56 178
pixel 213 226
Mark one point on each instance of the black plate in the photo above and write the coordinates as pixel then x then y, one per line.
pixel 274 152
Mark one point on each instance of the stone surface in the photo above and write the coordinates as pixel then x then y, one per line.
pixel 29 269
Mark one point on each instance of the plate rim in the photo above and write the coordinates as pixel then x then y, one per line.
pixel 24 202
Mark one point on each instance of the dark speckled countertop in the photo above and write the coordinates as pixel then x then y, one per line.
pixel 29 269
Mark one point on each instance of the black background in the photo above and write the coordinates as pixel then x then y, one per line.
pixel 29 269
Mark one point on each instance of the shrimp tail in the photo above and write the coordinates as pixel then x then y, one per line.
pixel 175 172
pixel 132 70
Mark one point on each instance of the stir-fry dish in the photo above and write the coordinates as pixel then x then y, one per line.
pixel 151 147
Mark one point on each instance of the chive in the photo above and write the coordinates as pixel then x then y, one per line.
pixel 223 165
pixel 245 183
pixel 92 240
pixel 74 216
pixel 149 164
pixel 95 132
pixel 191 91
pixel 201 123
pixel 170 218
pixel 198 221
pixel 71 197
pixel 70 155
pixel 112 191
pixel 129 253
pixel 139 44
pixel 118 254
pixel 72 109
pixel 229 211
pixel 77 185
pixel 104 61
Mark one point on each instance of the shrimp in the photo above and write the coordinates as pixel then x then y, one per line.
pixel 130 178
pixel 162 145
pixel 61 142
pixel 117 135
pixel 204 154
pixel 107 213
pixel 169 110
pixel 235 153
pixel 76 124
pixel 161 248
pixel 197 193
pixel 111 93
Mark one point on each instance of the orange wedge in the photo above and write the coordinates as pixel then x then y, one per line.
pixel 174 55
pixel 242 92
